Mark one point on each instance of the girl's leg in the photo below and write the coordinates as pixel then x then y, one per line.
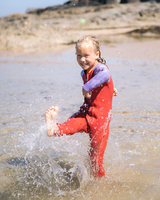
pixel 98 144
pixel 75 123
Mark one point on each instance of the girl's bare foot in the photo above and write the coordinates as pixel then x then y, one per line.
pixel 51 121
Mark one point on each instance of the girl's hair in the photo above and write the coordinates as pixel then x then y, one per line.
pixel 95 42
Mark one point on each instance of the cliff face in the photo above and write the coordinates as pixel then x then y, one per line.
pixel 87 3
pixel 43 31
pixel 90 2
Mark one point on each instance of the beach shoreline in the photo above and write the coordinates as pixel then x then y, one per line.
pixel 141 49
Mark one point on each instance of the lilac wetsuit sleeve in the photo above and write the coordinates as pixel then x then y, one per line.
pixel 102 75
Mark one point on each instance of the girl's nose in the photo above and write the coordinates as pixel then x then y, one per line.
pixel 82 58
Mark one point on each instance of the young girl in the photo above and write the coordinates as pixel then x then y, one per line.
pixel 95 114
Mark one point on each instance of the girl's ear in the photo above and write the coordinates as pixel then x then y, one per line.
pixel 97 54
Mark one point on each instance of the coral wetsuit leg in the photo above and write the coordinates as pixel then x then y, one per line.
pixel 99 140
pixel 76 123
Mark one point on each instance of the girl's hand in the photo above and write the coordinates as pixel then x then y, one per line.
pixel 86 94
pixel 115 92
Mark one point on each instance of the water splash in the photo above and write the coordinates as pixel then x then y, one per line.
pixel 42 166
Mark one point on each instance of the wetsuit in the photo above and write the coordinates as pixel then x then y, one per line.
pixel 94 115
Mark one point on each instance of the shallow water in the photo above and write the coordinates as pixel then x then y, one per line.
pixel 33 166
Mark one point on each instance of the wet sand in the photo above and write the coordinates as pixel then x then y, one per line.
pixel 147 49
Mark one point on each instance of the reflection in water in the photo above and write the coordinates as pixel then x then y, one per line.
pixel 34 166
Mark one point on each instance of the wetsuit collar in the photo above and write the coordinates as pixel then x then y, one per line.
pixel 89 70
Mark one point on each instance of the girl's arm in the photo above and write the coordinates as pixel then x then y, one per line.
pixel 115 92
pixel 102 75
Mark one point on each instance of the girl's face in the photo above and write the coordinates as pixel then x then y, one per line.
pixel 86 56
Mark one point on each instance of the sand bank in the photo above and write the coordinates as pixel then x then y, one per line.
pixel 51 30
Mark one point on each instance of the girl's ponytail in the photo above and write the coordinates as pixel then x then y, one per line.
pixel 101 59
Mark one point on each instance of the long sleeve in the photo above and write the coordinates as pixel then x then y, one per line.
pixel 101 75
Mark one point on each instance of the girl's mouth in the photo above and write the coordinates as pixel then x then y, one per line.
pixel 84 64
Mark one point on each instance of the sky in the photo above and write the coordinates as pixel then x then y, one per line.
pixel 8 7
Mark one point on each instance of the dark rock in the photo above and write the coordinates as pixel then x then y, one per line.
pixel 35 11
pixel 68 4
pixel 153 29
pixel 18 161
pixel 79 3
pixel 15 17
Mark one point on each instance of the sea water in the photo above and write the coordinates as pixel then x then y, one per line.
pixel 34 166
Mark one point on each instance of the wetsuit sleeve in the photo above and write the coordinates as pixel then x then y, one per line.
pixel 102 74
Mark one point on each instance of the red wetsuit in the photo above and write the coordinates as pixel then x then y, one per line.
pixel 94 118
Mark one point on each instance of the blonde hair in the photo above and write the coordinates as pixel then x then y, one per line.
pixel 94 40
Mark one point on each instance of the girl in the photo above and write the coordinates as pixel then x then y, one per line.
pixel 95 114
